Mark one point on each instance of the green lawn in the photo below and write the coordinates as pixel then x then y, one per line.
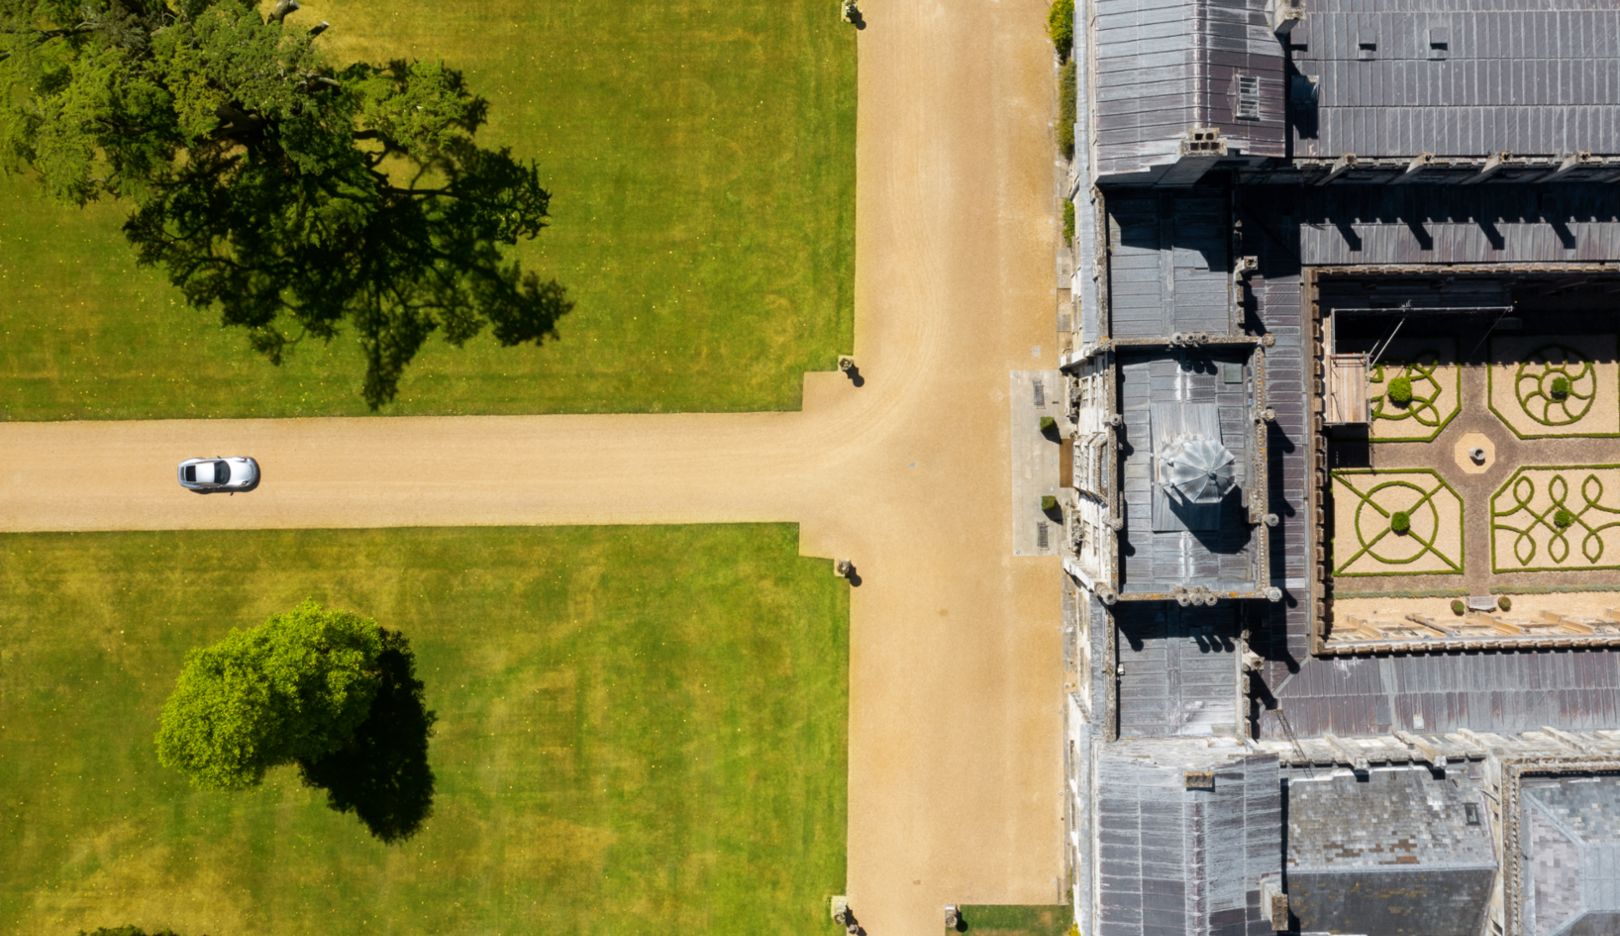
pixel 701 158
pixel 991 920
pixel 642 730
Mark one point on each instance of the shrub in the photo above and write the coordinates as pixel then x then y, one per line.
pixel 1560 388
pixel 1060 26
pixel 1400 391
pixel 1458 608
pixel 1563 519
pixel 1068 91
pixel 1505 603
pixel 1400 522
pixel 1068 223
pixel 1048 423
pixel 1048 503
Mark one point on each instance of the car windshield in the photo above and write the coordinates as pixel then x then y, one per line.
pixel 222 472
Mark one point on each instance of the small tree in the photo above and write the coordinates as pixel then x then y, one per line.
pixel 1560 388
pixel 1060 26
pixel 1400 522
pixel 1048 503
pixel 295 687
pixel 1068 223
pixel 1400 391
pixel 1505 603
pixel 1458 608
pixel 1563 519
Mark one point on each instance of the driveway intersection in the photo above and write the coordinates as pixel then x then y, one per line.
pixel 955 788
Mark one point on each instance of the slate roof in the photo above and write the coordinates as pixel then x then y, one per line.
pixel 1154 561
pixel 1178 672
pixel 1174 859
pixel 1398 853
pixel 1458 77
pixel 1169 268
pixel 1570 878
pixel 1533 77
pixel 1163 67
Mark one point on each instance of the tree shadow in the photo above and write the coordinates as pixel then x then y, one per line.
pixel 382 775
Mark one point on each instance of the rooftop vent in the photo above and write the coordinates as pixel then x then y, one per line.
pixel 1439 42
pixel 1366 47
pixel 1248 98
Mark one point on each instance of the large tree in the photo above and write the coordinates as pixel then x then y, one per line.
pixel 292 195
pixel 296 688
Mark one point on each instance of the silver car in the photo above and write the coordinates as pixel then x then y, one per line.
pixel 207 475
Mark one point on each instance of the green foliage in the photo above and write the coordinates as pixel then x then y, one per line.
pixel 1048 503
pixel 1060 26
pixel 1560 388
pixel 1400 391
pixel 1505 603
pixel 1068 222
pixel 295 687
pixel 1458 608
pixel 1400 522
pixel 1068 93
pixel 1048 424
pixel 125 931
pixel 381 773
pixel 293 197
pixel 1563 519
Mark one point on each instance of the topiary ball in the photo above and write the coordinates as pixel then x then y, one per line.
pixel 1400 391
pixel 1457 607
pixel 1563 519
pixel 1505 603
pixel 1400 522
pixel 1560 388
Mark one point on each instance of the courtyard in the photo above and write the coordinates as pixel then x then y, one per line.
pixel 1482 491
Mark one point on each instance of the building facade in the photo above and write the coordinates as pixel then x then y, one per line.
pixel 1325 679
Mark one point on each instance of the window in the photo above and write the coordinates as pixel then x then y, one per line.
pixel 1248 97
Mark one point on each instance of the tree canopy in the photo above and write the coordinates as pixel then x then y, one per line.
pixel 291 194
pixel 297 687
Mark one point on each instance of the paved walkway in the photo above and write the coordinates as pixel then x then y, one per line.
pixel 955 736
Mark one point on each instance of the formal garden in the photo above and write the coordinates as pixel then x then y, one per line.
pixel 1486 488
pixel 628 727
pixel 1406 522
pixel 701 173
pixel 1416 391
